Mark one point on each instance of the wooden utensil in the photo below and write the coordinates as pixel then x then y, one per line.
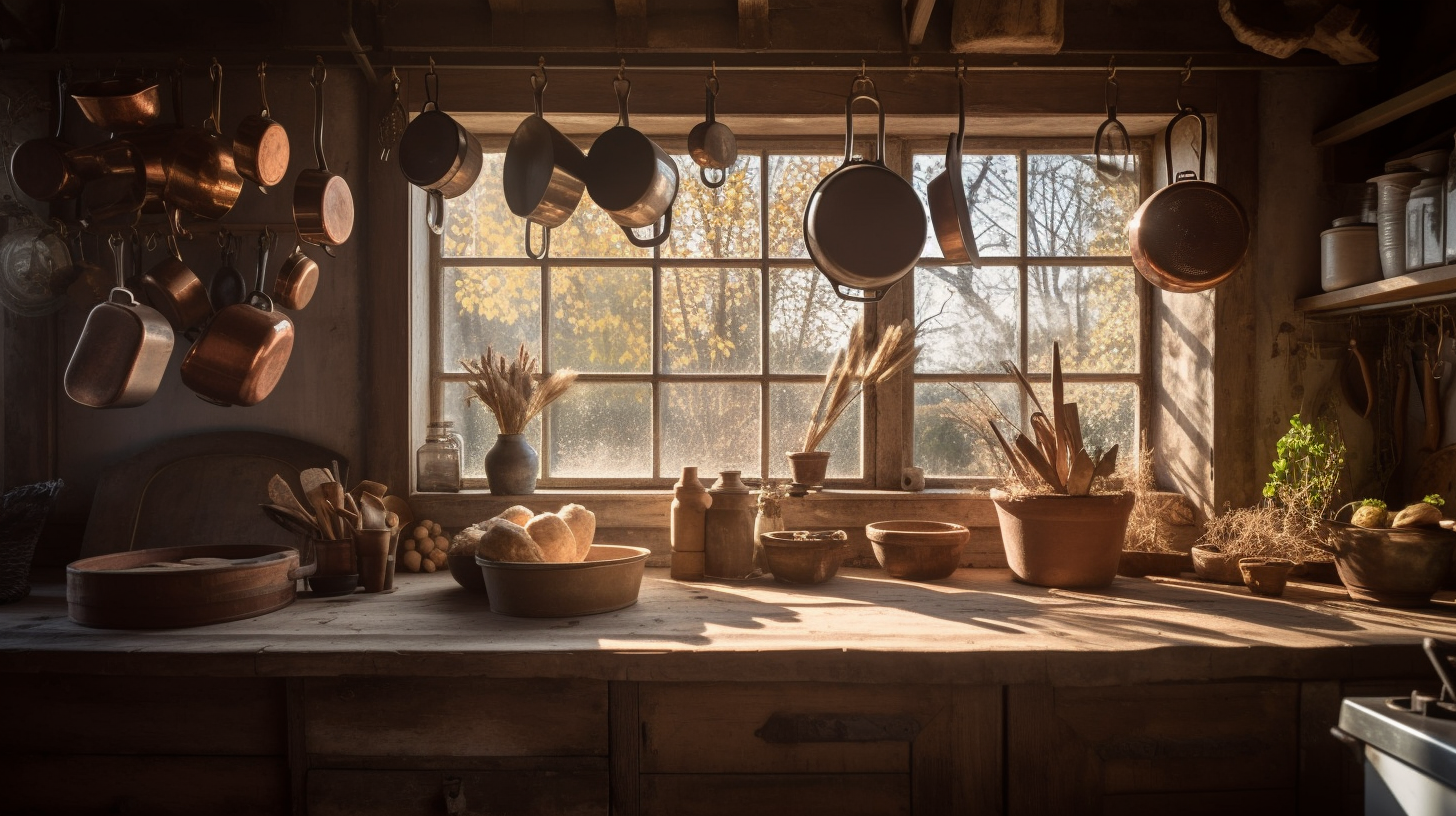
pixel 282 495
pixel 348 518
pixel 401 508
pixel 1431 400
pixel 373 512
pixel 371 488
pixel 294 522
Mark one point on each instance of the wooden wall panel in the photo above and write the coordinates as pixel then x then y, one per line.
pixel 797 794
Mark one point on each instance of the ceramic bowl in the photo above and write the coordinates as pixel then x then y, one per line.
pixel 465 571
pixel 918 550
pixel 1212 565
pixel 609 579
pixel 1265 576
pixel 803 557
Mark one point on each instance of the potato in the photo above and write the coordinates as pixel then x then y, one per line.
pixel 439 557
pixel 1419 514
pixel 410 561
pixel 442 543
pixel 516 514
pixel 553 536
pixel 1370 516
pixel 436 530
pixel 503 541
pixel 421 532
pixel 425 546
pixel 408 545
pixel 583 524
pixel 428 566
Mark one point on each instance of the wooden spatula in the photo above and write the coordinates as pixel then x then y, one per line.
pixel 280 494
pixel 373 512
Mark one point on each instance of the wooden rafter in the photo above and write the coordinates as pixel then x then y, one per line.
pixel 753 23
pixel 631 23
pixel 917 19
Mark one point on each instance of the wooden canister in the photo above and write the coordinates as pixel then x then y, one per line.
pixel 690 505
pixel 728 533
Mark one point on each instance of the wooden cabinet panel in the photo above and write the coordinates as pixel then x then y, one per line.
pixel 88 714
pixel 152 785
pixel 783 727
pixel 454 716
pixel 1070 747
pixel 797 794
pixel 497 793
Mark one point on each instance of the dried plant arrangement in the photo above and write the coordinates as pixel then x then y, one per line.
pixel 855 367
pixel 1053 459
pixel 508 387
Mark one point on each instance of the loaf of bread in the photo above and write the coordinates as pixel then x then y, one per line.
pixel 583 524
pixel 501 540
pixel 467 541
pixel 553 536
pixel 516 514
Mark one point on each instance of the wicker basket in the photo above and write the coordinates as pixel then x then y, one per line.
pixel 23 513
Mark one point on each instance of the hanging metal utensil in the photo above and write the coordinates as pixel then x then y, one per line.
pixel 39 167
pixel 296 281
pixel 228 284
pixel 950 212
pixel 35 270
pixel 712 143
pixel 392 126
pixel 201 176
pixel 630 176
pixel 437 155
pixel 1110 132
pixel 123 351
pixel 323 206
pixel 172 288
pixel 260 145
pixel 119 104
pixel 544 172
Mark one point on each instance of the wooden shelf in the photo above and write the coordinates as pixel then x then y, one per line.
pixel 1391 293
pixel 1388 111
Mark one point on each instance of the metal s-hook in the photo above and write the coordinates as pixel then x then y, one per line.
pixel 622 71
pixel 862 70
pixel 1112 67
pixel 432 89
pixel 1183 82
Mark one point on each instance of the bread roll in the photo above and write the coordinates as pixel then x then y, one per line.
pixel 501 540
pixel 583 524
pixel 554 538
pixel 466 541
pixel 516 514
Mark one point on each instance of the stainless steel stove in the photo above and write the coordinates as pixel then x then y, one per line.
pixel 1408 745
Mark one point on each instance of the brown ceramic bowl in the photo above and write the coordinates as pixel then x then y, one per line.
pixel 1265 576
pixel 794 559
pixel 465 571
pixel 1219 567
pixel 918 550
pixel 609 579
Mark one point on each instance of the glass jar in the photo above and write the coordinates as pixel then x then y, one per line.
pixel 449 428
pixel 437 462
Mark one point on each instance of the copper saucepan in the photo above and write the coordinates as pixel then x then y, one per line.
pixel 119 104
pixel 712 143
pixel 123 351
pixel 260 146
pixel 297 279
pixel 1193 234
pixel 631 177
pixel 544 173
pixel 323 207
pixel 437 155
pixel 173 289
pixel 243 352
pixel 201 177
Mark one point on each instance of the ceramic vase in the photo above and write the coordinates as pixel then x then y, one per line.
pixel 511 466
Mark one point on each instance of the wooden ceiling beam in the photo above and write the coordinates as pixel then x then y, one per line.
pixel 753 24
pixel 917 19
pixel 631 23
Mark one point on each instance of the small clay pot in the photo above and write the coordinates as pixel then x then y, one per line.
pixel 808 467
pixel 917 550
pixel 803 560
pixel 1265 576
pixel 1213 565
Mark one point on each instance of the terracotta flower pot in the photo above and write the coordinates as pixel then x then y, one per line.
pixel 1063 541
pixel 1390 566
pixel 809 467
pixel 1265 576
pixel 1212 564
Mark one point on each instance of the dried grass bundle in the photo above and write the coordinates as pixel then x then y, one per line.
pixel 854 367
pixel 509 388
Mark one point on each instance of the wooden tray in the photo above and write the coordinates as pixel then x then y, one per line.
pixel 121 591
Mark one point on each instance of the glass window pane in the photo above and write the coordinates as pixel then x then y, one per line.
pixel 807 322
pixel 478 224
pixel 601 319
pixel 713 426
pixel 791 180
pixel 967 317
pixel 602 430
pixel 1108 412
pixel 710 321
pixel 716 223
pixel 477 424
pixel 488 306
pixel 789 408
pixel 1091 310
pixel 1073 210
pixel 951 438
pixel 991 186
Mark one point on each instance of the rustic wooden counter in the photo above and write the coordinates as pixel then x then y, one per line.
pixel 866 695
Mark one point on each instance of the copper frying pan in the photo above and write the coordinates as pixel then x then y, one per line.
pixel 323 207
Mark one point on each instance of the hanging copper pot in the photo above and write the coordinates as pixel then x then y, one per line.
pixel 437 155
pixel 173 289
pixel 323 207
pixel 123 351
pixel 201 177
pixel 631 177
pixel 543 173
pixel 297 279
pixel 119 103
pixel 260 146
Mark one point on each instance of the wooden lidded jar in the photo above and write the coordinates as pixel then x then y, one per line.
pixel 728 539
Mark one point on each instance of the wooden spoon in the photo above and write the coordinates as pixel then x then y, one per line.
pixel 294 521
pixel 401 508
pixel 373 512
pixel 279 493
pixel 372 488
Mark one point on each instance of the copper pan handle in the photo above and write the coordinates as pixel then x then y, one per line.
pixel 1202 146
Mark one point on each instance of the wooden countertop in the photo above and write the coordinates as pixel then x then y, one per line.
pixel 977 627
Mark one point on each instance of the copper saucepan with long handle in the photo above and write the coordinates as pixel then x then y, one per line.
pixel 437 155
pixel 243 352
pixel 123 351
pixel 323 207
pixel 950 212
pixel 260 145
pixel 1193 234
pixel 201 177
pixel 173 289
pixel 631 177
pixel 296 281
pixel 712 143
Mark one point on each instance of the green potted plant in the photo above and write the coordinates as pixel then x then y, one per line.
pixel 1063 522
pixel 855 367
pixel 508 388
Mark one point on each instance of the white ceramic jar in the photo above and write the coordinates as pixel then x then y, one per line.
pixel 1348 255
pixel 1393 190
pixel 1423 224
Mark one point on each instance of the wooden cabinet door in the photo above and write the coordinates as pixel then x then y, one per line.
pixel 1188 749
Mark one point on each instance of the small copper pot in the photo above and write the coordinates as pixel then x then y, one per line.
pixel 173 289
pixel 260 146
pixel 120 103
pixel 297 279
pixel 323 207
pixel 123 351
pixel 201 177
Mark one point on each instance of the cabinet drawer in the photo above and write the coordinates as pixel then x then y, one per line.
pixel 497 793
pixel 782 728
pixel 153 785
pixel 454 716
pixel 84 714
pixel 798 794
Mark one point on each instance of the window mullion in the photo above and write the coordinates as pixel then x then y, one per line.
pixel 548 416
pixel 1023 274
pixel 763 317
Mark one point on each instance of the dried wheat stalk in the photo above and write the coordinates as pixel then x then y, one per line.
pixel 854 367
pixel 509 388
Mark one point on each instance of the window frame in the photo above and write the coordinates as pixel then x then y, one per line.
pixel 881 464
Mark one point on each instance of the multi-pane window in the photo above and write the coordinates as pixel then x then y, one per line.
pixel 709 350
